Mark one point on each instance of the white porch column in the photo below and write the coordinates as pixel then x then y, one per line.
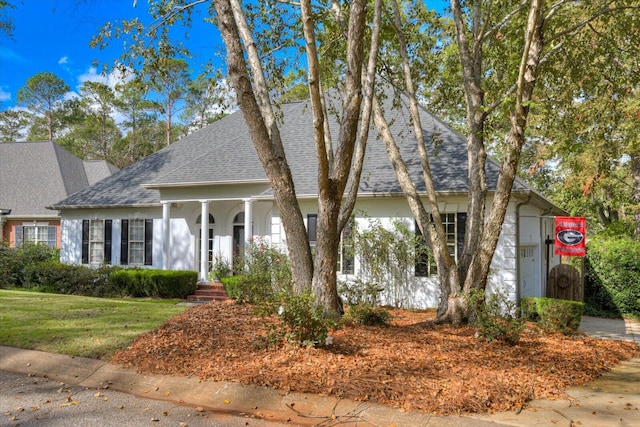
pixel 248 229
pixel 204 241
pixel 166 234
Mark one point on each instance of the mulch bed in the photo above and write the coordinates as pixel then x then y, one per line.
pixel 412 364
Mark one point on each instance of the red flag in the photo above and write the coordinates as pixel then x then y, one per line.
pixel 571 236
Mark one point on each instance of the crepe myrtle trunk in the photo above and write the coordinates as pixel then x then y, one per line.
pixel 325 283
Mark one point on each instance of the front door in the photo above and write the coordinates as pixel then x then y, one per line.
pixel 530 285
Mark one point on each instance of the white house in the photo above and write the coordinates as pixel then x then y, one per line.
pixel 153 212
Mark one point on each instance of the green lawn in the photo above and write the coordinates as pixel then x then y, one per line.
pixel 78 326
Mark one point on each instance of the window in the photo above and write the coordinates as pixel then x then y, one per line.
pixel 36 234
pixel 210 244
pixel 96 241
pixel 346 249
pixel 136 242
pixel 454 229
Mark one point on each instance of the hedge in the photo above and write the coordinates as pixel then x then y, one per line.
pixel 37 267
pixel 553 314
pixel 612 282
pixel 155 283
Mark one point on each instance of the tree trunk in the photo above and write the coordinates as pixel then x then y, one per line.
pixel 265 137
pixel 324 285
pixel 481 261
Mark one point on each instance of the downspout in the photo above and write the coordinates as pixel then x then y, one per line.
pixel 518 278
pixel 545 276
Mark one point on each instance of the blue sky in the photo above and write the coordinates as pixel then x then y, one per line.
pixel 54 36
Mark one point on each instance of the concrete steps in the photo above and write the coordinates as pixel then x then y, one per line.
pixel 213 291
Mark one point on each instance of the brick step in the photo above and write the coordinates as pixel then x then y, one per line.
pixel 211 292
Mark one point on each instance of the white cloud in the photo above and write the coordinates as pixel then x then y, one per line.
pixel 7 54
pixel 4 96
pixel 63 60
pixel 112 79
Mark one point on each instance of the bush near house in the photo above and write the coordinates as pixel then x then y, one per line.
pixel 14 262
pixel 37 268
pixel 612 282
pixel 553 314
pixel 138 282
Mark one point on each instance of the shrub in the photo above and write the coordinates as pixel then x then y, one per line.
pixel 55 277
pixel 495 316
pixel 366 314
pixel 14 261
pixel 306 323
pixel 302 322
pixel 612 282
pixel 221 268
pixel 528 309
pixel 137 282
pixel 264 272
pixel 559 315
pixel 232 285
pixel 357 291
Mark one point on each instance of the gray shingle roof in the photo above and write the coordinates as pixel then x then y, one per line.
pixel 34 175
pixel 223 152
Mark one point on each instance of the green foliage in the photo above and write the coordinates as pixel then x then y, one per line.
pixel 387 263
pixel 368 315
pixel 553 314
pixel 154 283
pixel 495 316
pixel 58 278
pixel 14 262
pixel 357 292
pixel 232 285
pixel 528 308
pixel 263 272
pixel 302 322
pixel 220 269
pixel 612 282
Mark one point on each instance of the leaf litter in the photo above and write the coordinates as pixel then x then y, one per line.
pixel 413 364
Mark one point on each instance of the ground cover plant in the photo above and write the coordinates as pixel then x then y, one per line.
pixel 76 325
pixel 412 363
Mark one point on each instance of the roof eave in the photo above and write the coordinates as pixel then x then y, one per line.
pixel 128 205
pixel 158 186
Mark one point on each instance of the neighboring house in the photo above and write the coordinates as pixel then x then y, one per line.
pixel 203 197
pixel 34 175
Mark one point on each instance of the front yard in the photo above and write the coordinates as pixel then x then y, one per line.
pixel 412 364
pixel 76 325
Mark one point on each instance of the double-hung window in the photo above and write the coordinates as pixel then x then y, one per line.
pixel 36 233
pixel 96 241
pixel 136 242
pixel 454 229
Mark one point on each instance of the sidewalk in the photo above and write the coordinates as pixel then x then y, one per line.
pixel 612 400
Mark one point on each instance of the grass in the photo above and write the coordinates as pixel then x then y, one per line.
pixel 76 325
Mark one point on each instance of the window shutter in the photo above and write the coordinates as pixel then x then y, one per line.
pixel 19 236
pixel 107 240
pixel 461 221
pixel 148 242
pixel 85 241
pixel 312 223
pixel 124 242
